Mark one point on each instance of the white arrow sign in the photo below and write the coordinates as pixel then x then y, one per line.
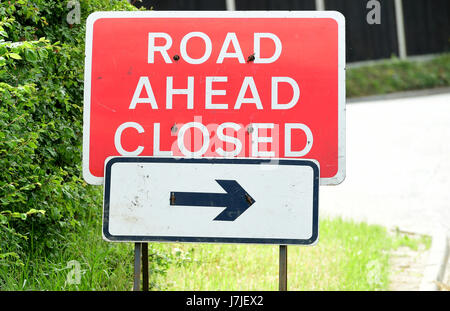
pixel 211 200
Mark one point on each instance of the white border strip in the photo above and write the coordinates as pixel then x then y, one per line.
pixel 338 17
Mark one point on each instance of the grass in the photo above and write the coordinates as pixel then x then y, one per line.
pixel 411 240
pixel 101 265
pixel 348 256
pixel 395 75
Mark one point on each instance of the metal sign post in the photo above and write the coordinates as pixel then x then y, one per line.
pixel 282 278
pixel 140 264
pixel 137 267
pixel 145 266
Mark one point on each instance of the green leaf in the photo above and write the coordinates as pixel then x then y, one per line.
pixel 15 56
pixel 31 55
pixel 35 211
pixel 11 254
pixel 3 219
pixel 43 53
pixel 3 50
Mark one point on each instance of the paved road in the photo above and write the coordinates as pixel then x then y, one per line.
pixel 398 165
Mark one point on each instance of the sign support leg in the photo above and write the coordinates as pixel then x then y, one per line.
pixel 140 264
pixel 282 278
pixel 137 266
pixel 145 267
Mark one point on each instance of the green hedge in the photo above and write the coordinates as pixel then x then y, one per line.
pixel 394 75
pixel 42 193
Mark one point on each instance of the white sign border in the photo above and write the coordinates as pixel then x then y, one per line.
pixel 337 16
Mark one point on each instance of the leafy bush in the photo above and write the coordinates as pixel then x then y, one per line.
pixel 42 193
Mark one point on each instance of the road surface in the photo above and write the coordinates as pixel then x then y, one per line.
pixel 398 165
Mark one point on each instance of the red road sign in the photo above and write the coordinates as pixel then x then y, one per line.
pixel 215 84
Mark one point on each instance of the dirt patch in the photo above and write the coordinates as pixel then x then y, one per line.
pixel 445 284
pixel 407 268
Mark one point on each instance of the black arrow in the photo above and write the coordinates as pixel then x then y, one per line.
pixel 236 200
